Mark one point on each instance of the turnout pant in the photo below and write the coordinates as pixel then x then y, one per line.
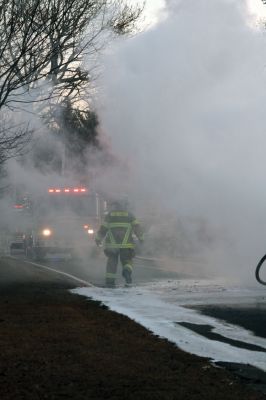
pixel 113 256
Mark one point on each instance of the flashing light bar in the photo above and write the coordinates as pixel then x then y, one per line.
pixel 18 206
pixel 68 190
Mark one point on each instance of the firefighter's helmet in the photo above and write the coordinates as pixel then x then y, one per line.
pixel 119 204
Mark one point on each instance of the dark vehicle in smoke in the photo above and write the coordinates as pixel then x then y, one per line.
pixel 20 225
pixel 17 244
pixel 65 221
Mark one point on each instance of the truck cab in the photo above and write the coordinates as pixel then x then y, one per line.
pixel 65 221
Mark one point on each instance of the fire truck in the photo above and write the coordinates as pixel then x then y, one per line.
pixel 64 223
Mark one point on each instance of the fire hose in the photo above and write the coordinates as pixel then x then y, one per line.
pixel 258 268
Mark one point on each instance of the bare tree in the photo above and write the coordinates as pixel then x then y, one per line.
pixel 42 45
pixel 13 141
pixel 44 42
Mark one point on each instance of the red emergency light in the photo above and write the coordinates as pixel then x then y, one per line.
pixel 18 206
pixel 68 190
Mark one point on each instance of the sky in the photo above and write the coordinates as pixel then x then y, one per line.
pixel 155 9
pixel 257 8
pixel 183 106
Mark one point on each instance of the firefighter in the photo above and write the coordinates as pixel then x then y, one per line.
pixel 116 232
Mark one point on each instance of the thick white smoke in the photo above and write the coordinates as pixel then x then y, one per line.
pixel 184 104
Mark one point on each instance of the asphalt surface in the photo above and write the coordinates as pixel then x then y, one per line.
pixel 251 316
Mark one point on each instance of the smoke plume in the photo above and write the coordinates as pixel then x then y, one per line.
pixel 183 104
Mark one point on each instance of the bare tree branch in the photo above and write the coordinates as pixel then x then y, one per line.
pixel 45 41
pixel 13 141
pixel 42 46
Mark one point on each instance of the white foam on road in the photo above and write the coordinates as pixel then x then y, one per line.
pixel 160 307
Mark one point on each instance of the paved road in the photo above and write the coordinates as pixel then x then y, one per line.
pixel 250 314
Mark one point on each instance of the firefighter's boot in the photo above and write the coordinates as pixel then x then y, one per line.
pixel 110 280
pixel 127 274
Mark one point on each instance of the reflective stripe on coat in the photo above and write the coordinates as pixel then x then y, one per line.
pixel 117 230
